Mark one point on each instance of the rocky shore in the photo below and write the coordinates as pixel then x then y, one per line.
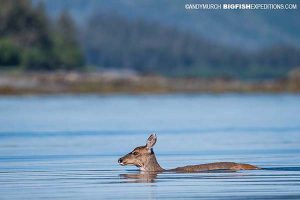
pixel 14 83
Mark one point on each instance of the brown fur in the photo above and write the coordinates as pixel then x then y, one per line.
pixel 215 166
pixel 144 158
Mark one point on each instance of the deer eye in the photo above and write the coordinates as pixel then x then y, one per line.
pixel 135 153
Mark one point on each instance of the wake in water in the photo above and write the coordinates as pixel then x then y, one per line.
pixel 297 169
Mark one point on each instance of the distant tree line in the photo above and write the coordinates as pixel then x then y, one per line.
pixel 113 41
pixel 29 40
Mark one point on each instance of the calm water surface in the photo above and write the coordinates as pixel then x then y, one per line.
pixel 66 147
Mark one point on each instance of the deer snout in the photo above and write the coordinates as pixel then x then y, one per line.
pixel 120 161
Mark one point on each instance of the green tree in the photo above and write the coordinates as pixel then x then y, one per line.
pixel 9 53
pixel 29 39
pixel 67 48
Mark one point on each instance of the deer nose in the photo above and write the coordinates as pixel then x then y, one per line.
pixel 120 160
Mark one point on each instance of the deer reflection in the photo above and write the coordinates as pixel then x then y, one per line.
pixel 151 177
pixel 140 177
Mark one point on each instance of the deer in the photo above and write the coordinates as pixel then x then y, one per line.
pixel 144 158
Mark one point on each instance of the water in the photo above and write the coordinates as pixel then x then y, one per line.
pixel 66 147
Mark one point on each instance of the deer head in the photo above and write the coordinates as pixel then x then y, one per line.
pixel 143 156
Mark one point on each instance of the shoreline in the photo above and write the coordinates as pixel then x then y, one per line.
pixel 23 83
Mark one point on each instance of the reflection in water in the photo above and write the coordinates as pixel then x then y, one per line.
pixel 140 177
pixel 151 177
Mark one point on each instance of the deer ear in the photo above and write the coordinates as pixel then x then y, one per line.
pixel 151 141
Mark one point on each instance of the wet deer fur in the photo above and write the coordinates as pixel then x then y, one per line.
pixel 144 158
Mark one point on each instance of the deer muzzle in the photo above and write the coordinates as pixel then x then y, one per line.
pixel 120 161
